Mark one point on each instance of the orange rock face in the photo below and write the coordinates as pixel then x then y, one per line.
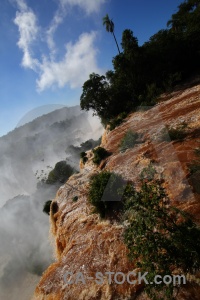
pixel 84 243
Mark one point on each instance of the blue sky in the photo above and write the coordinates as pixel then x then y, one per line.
pixel 49 47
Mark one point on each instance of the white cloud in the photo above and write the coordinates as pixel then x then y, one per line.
pixel 57 20
pixel 78 62
pixel 89 6
pixel 27 25
pixel 79 59
pixel 22 5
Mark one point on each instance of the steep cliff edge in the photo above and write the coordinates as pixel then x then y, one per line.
pixel 86 244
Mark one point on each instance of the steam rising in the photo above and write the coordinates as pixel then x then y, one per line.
pixel 27 155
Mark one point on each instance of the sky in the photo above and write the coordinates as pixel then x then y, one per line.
pixel 48 48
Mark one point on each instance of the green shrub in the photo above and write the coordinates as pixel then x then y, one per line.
pixel 195 165
pixel 171 80
pixel 117 121
pixel 104 193
pixel 195 180
pixel 99 154
pixel 172 134
pixel 83 154
pixel 85 146
pixel 194 169
pixel 54 207
pixel 75 199
pixel 83 157
pixel 149 97
pixel 197 152
pixel 177 134
pixel 155 237
pixel 89 144
pixel 47 206
pixel 61 172
pixel 129 140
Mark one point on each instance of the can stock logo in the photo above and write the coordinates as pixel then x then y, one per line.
pixel 120 278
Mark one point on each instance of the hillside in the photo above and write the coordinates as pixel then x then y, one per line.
pixel 85 243
pixel 27 155
pixel 33 149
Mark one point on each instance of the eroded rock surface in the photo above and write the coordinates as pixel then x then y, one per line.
pixel 84 243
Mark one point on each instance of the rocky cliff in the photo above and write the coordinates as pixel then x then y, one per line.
pixel 86 244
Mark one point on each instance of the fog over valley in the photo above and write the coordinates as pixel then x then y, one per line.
pixel 28 156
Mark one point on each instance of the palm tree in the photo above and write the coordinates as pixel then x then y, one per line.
pixel 110 28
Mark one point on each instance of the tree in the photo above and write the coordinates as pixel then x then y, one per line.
pixel 187 17
pixel 141 73
pixel 110 28
pixel 107 97
pixel 129 43
pixel 61 172
pixel 105 192
pixel 132 68
pixel 95 95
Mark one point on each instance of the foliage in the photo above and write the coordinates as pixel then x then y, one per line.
pixel 47 206
pixel 148 173
pixel 89 144
pixel 99 154
pixel 110 28
pixel 75 199
pixel 117 121
pixel 159 237
pixel 95 95
pixel 85 146
pixel 171 80
pixel 84 159
pixel 174 133
pixel 150 96
pixel 194 168
pixel 54 207
pixel 61 126
pixel 197 152
pixel 104 193
pixel 83 156
pixel 129 140
pixel 186 20
pixel 194 178
pixel 101 96
pixel 141 73
pixel 61 172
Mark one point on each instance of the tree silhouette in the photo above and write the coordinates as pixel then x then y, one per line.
pixel 110 28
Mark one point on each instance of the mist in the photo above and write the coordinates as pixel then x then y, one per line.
pixel 27 155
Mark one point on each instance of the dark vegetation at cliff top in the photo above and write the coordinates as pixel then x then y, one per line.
pixel 141 73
